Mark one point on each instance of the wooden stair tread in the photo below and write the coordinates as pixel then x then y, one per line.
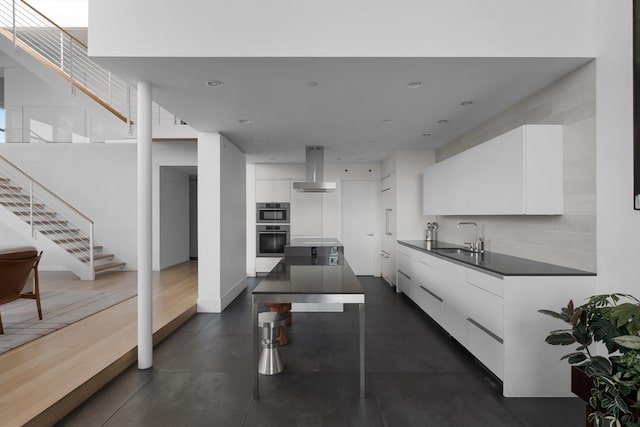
pixel 48 222
pixel 10 187
pixel 71 240
pixel 97 257
pixel 22 204
pixel 18 195
pixel 60 230
pixel 109 266
pixel 25 213
pixel 84 249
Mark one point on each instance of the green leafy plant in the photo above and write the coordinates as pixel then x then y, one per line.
pixel 613 320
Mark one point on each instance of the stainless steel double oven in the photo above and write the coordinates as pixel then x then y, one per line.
pixel 272 229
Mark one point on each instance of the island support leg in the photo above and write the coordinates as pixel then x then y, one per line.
pixel 362 335
pixel 254 335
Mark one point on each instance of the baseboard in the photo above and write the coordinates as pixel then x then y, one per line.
pixel 233 292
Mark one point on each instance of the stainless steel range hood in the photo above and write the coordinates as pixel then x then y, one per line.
pixel 315 172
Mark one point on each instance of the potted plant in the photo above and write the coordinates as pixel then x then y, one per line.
pixel 613 320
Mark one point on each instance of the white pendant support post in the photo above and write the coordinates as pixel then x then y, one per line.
pixel 145 294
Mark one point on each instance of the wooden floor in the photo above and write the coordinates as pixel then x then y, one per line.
pixel 40 382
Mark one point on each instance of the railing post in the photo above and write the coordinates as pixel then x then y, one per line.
pixel 129 109
pixel 15 47
pixel 62 52
pixel 71 66
pixel 33 231
pixel 91 250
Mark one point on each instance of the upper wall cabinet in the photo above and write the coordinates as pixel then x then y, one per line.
pixel 517 173
pixel 273 190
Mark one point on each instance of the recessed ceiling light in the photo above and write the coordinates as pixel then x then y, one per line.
pixel 244 121
pixel 260 142
pixel 313 84
pixel 338 158
pixel 443 121
pixel 466 103
pixel 215 83
pixel 387 121
pixel 426 134
pixel 415 84
pixel 272 158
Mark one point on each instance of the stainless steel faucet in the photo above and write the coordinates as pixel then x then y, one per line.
pixel 477 246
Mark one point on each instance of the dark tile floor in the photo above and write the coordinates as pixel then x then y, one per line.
pixel 416 376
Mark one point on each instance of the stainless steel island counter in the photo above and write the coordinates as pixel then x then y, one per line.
pixel 308 280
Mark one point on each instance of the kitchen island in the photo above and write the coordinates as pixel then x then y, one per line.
pixel 308 279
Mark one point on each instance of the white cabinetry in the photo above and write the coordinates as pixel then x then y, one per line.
pixel 517 173
pixel 387 236
pixel 496 318
pixel 273 190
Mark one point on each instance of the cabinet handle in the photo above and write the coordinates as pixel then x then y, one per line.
pixel 404 274
pixel 431 293
pixel 485 330
pixel 384 256
pixel 385 252
pixel 385 189
pixel 387 221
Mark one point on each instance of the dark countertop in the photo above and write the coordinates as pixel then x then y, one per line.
pixel 307 242
pixel 298 275
pixel 504 265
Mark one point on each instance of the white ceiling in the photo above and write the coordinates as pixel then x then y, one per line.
pixel 346 110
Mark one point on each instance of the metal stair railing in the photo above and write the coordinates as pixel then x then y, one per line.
pixel 60 50
pixel 46 213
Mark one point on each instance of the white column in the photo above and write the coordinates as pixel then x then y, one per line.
pixel 145 292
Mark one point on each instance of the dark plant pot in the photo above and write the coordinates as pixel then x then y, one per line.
pixel 581 385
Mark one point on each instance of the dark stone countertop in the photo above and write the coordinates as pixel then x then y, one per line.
pixel 304 275
pixel 504 265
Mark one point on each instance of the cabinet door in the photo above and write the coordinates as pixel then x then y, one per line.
pixel 404 283
pixel 273 190
pixel 516 173
pixel 486 347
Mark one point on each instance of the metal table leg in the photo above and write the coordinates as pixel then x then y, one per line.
pixel 362 335
pixel 254 336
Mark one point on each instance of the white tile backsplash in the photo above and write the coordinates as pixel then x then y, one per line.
pixel 568 239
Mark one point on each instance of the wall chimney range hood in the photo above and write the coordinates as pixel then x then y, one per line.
pixel 315 172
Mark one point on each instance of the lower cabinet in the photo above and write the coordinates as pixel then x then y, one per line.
pixel 486 346
pixel 430 302
pixel 496 318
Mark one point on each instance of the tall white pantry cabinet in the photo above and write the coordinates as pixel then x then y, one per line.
pixel 400 214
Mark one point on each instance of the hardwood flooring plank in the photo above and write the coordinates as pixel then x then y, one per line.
pixel 45 379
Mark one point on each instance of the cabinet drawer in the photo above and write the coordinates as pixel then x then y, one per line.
pixel 429 301
pixel 489 283
pixel 486 347
pixel 404 261
pixel 486 308
pixel 404 283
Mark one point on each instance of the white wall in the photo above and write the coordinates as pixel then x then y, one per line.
pixel 618 224
pixel 439 28
pixel 569 239
pixel 166 155
pixel 174 216
pixel 221 222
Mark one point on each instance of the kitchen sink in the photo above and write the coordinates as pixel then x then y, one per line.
pixel 460 251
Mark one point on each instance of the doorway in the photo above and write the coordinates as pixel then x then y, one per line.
pixel 359 210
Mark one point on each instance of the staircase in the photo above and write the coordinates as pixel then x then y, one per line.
pixel 34 212
pixel 35 34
